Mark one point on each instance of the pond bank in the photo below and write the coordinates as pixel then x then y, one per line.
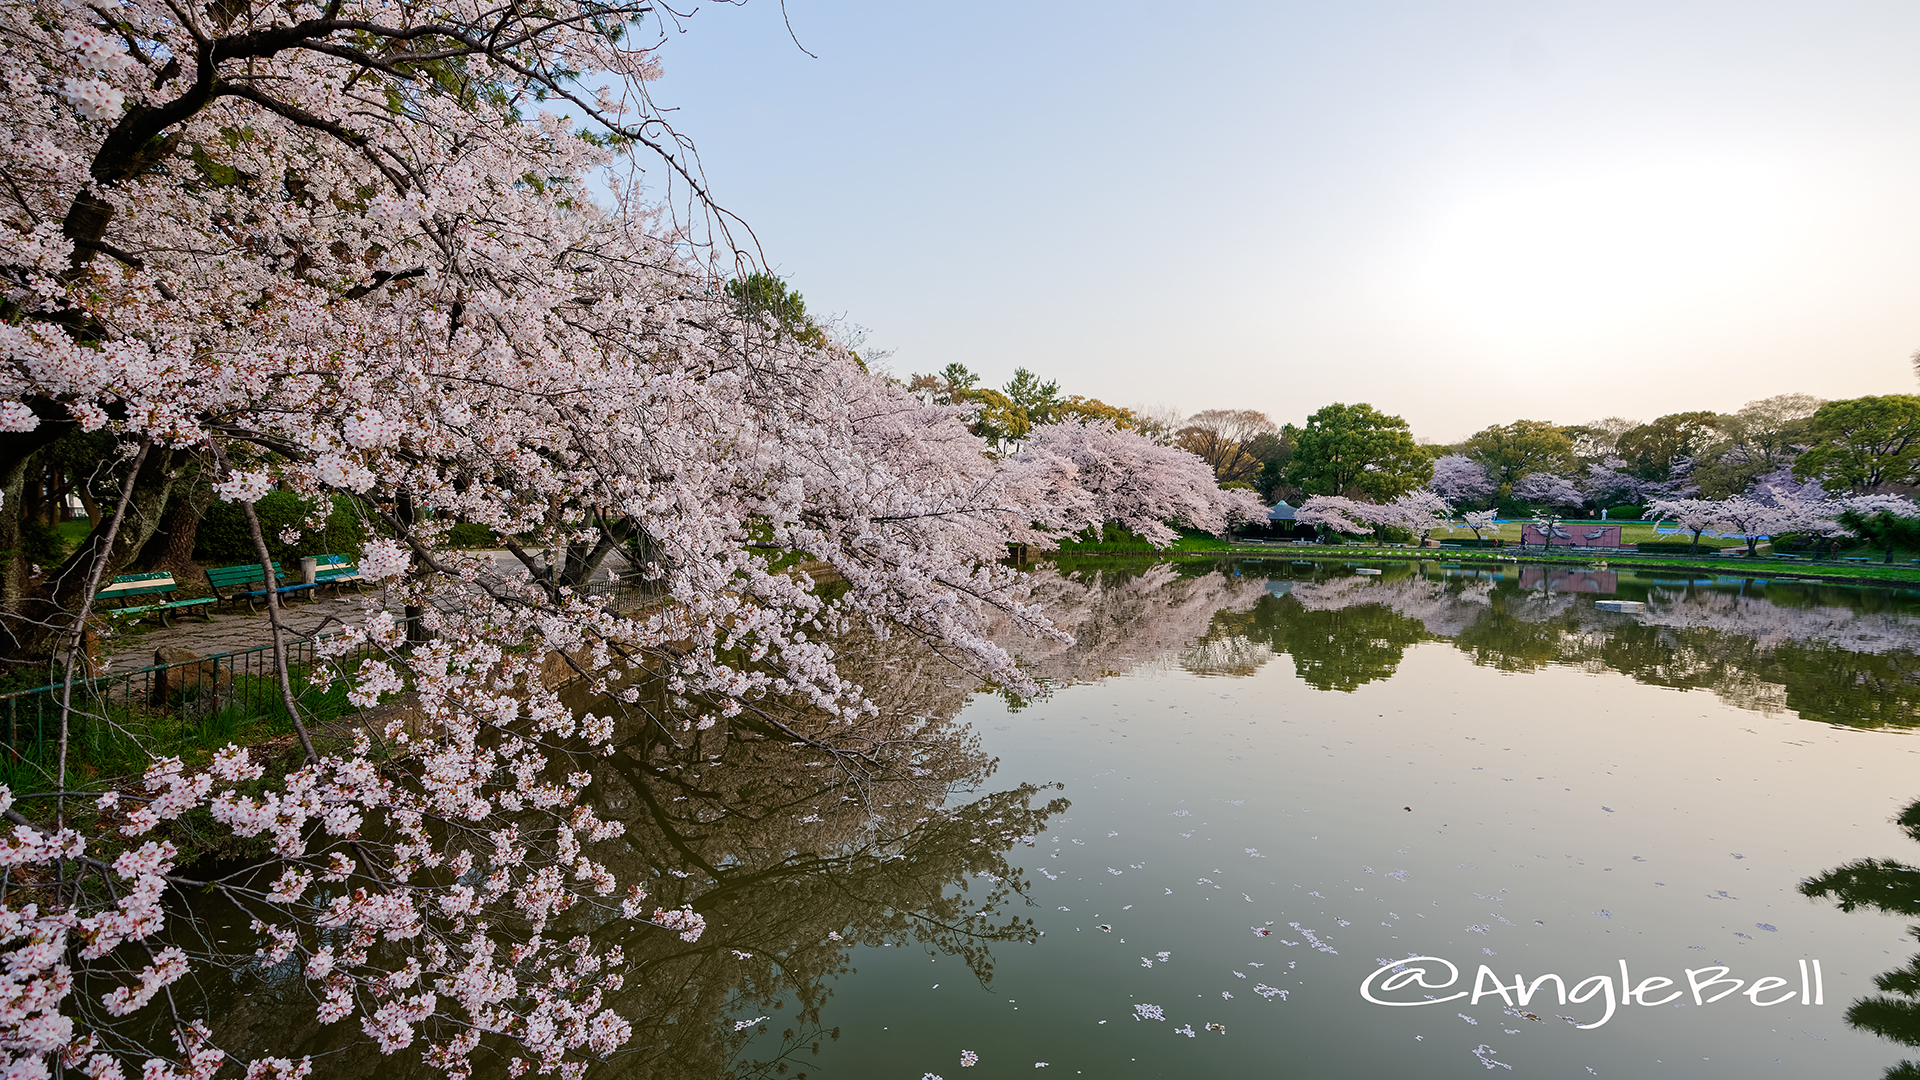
pixel 1869 574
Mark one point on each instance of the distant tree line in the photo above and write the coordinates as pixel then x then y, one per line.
pixel 1793 461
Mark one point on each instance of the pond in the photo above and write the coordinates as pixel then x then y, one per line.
pixel 1258 789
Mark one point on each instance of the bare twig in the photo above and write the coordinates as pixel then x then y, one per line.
pixel 76 646
pixel 270 582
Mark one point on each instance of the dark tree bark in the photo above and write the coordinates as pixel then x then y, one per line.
pixel 31 630
pixel 414 614
pixel 171 546
pixel 17 454
pixel 581 561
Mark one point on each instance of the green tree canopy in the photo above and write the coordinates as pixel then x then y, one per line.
pixel 1036 402
pixel 1084 409
pixel 1864 443
pixel 1654 448
pixel 1883 529
pixel 1761 437
pixel 1357 451
pixel 764 294
pixel 958 377
pixel 1512 451
pixel 1008 414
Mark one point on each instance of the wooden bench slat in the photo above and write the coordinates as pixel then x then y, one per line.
pixel 337 569
pixel 137 584
pixel 237 575
pixel 116 612
pixel 114 594
pixel 248 581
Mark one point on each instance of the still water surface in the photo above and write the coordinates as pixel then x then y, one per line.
pixel 1283 778
pixel 1253 785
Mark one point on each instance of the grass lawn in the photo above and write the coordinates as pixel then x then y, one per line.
pixel 1120 541
pixel 1631 532
pixel 1640 532
pixel 71 533
pixel 1900 572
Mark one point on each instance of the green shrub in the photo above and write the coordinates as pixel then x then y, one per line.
pixel 41 544
pixel 469 535
pixel 1624 513
pixel 1470 542
pixel 223 538
pixel 1671 547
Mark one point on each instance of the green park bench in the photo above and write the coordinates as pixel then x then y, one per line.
pixel 337 571
pixel 245 582
pixel 154 588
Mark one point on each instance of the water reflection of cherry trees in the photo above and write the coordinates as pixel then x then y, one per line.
pixel 1891 887
pixel 793 856
pixel 1840 656
pixel 1123 616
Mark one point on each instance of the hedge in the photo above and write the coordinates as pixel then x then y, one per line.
pixel 223 537
pixel 1669 547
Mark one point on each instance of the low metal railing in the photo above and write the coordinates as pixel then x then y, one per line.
pixel 245 678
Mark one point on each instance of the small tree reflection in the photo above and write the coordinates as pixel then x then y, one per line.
pixel 1892 887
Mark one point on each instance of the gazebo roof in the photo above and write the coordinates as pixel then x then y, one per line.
pixel 1280 511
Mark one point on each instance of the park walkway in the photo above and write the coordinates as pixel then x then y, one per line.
pixel 233 628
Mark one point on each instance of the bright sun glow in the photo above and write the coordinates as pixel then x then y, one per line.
pixel 1605 248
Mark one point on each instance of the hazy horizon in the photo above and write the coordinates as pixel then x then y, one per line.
pixel 1464 215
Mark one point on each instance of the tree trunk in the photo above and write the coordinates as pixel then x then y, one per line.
pixel 13 570
pixel 414 615
pixel 85 491
pixel 581 562
pixel 171 546
pixel 33 627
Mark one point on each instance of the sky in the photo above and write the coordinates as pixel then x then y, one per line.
pixel 1462 213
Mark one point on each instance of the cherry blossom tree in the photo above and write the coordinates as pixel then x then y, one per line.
pixel 1460 479
pixel 1419 512
pixel 1781 488
pixel 1548 523
pixel 1750 519
pixel 1609 481
pixel 1088 475
pixel 1481 521
pixel 351 249
pixel 1338 513
pixel 1696 516
pixel 1550 489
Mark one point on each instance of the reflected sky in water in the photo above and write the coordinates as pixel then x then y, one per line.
pixel 1482 769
